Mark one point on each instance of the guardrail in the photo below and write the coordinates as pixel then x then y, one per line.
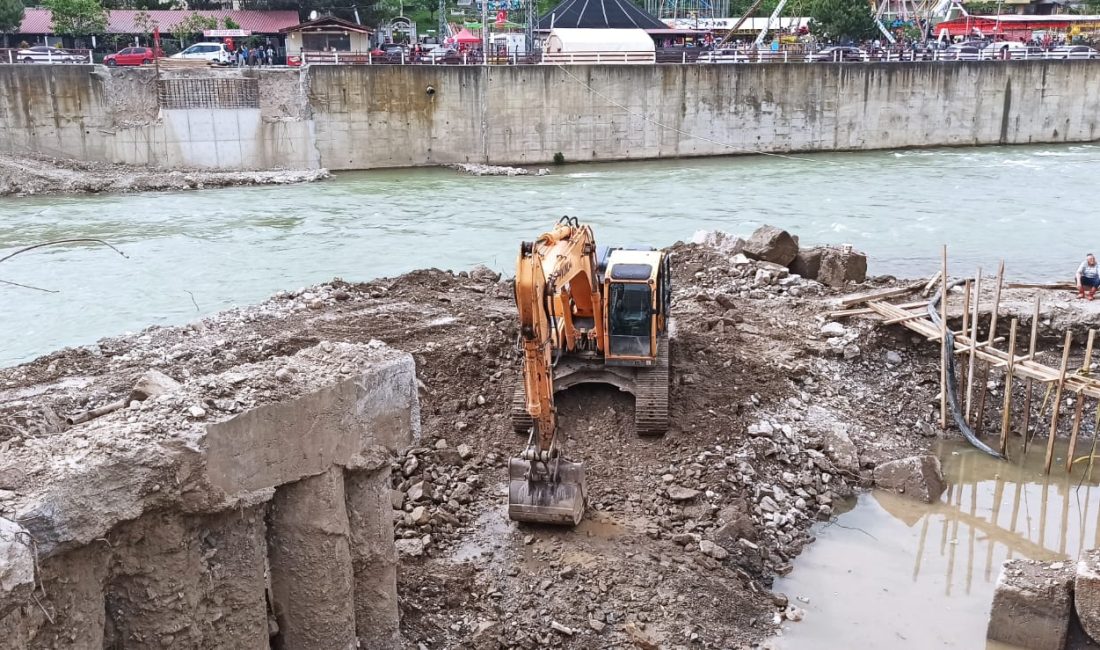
pixel 50 55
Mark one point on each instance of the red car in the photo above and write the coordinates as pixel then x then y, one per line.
pixel 132 56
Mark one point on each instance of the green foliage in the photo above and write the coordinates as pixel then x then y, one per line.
pixel 840 20
pixel 11 16
pixel 77 17
pixel 193 24
pixel 230 23
pixel 982 8
pixel 559 157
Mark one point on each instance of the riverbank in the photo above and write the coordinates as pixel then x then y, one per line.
pixel 776 420
pixel 38 175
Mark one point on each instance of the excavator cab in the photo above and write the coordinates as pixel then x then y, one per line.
pixel 637 292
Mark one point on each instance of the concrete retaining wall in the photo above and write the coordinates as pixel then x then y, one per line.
pixel 362 117
pixel 166 526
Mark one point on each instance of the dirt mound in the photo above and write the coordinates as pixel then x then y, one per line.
pixel 25 176
pixel 773 424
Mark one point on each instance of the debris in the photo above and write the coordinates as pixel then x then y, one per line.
pixel 918 477
pixel 771 244
pixel 1033 602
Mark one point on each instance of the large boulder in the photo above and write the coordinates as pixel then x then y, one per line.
pixel 16 563
pixel 917 477
pixel 834 266
pixel 1087 592
pixel 772 244
pixel 1032 604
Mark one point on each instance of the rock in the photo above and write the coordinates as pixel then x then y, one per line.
pixel 561 629
pixel 772 244
pixel 397 499
pixel 282 374
pixel 833 329
pixel 1087 593
pixel 598 626
pixel 410 547
pixel 1032 605
pixel 484 274
pixel 892 358
pixel 416 491
pixel 197 412
pixel 839 447
pixel 678 493
pixel 441 443
pixel 16 559
pixel 851 352
pixel 831 265
pixel 464 451
pixel 793 613
pixel 419 516
pixel 709 548
pixel 918 477
pixel 639 638
pixel 410 466
pixel 151 384
pixel 718 240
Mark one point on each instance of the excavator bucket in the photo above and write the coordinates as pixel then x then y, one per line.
pixel 546 493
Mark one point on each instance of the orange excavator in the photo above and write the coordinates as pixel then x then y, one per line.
pixel 586 315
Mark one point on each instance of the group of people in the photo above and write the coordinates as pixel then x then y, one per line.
pixel 253 56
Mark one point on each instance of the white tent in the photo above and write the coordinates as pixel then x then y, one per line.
pixel 568 41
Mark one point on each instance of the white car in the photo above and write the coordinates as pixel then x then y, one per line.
pixel 1073 52
pixel 214 52
pixel 723 56
pixel 1016 50
pixel 47 54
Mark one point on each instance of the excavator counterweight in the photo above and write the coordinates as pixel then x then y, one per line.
pixel 585 316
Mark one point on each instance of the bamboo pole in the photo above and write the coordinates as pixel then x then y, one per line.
pixel 1079 407
pixel 1006 417
pixel 1057 403
pixel 1029 387
pixel 983 387
pixel 973 345
pixel 943 340
pixel 965 331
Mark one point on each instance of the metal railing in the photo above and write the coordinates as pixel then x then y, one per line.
pixel 50 55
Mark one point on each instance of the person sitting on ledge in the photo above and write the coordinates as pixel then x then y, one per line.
pixel 1088 277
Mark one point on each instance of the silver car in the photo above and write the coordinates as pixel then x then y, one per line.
pixel 47 54
pixel 1073 52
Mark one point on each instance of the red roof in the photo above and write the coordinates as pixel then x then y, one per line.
pixel 120 21
pixel 330 22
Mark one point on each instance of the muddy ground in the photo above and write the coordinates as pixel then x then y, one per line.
pixel 37 175
pixel 774 423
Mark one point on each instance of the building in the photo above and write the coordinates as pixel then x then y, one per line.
pixel 37 24
pixel 327 34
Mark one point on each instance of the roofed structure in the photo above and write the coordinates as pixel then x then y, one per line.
pixel 125 21
pixel 598 14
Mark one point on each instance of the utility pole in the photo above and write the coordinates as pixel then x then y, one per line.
pixel 484 32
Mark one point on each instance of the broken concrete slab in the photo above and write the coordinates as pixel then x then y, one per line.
pixel 151 384
pixel 917 477
pixel 1087 592
pixel 833 266
pixel 1032 604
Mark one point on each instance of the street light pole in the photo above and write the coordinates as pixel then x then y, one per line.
pixel 484 32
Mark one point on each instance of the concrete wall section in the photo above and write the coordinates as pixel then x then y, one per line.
pixel 363 117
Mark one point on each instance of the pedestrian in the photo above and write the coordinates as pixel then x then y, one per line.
pixel 243 60
pixel 270 55
pixel 1088 277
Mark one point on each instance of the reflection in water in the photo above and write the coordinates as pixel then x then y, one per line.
pixel 894 572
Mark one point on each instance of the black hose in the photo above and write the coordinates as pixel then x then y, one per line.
pixel 952 383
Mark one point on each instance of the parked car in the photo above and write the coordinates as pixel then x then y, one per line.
pixel 1011 50
pixel 48 54
pixel 214 52
pixel 837 53
pixel 132 56
pixel 442 55
pixel 961 52
pixel 723 56
pixel 1073 52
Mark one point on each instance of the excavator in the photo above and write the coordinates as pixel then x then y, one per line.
pixel 586 315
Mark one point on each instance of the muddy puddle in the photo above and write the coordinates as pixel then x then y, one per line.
pixel 892 573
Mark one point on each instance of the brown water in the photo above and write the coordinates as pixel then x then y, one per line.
pixel 894 573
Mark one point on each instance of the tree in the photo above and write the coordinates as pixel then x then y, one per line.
pixel 193 24
pixel 11 17
pixel 842 20
pixel 230 23
pixel 77 17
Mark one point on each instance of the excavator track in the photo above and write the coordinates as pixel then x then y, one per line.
pixel 521 419
pixel 651 395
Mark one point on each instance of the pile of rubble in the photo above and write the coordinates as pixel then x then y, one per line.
pixel 776 418
pixel 478 169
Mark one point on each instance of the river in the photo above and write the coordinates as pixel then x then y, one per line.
pixel 194 253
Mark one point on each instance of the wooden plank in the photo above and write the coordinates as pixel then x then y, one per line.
pixel 1049 285
pixel 969 285
pixel 1029 386
pixel 878 295
pixel 931 283
pixel 864 311
pixel 902 319
pixel 973 345
pixel 983 384
pixel 1057 407
pixel 1006 416
pixel 1079 407
pixel 943 341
